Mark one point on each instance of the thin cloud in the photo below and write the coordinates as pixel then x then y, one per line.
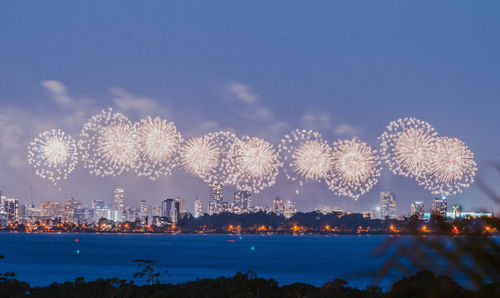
pixel 127 102
pixel 323 122
pixel 57 91
pixel 249 106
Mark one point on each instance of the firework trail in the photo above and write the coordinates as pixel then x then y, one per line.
pixel 159 144
pixel 452 167
pixel 53 154
pixel 406 147
pixel 108 144
pixel 207 157
pixel 256 162
pixel 355 168
pixel 306 156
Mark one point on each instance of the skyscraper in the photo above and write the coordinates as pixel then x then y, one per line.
pixel 242 202
pixel 439 206
pixel 215 203
pixel 198 208
pixel 173 209
pixel 290 209
pixel 143 212
pixel 418 209
pixel 388 204
pixel 166 208
pixel 278 206
pixel 119 204
pixel 11 207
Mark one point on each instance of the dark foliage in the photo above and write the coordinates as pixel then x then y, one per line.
pixel 423 284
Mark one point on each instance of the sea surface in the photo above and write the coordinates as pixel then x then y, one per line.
pixel 44 258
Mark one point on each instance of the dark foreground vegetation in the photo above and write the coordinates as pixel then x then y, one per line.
pixel 422 284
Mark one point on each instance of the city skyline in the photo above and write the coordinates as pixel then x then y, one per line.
pixel 334 89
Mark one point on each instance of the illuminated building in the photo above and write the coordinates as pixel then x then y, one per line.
pixel 328 209
pixel 12 209
pixel 98 204
pixel 242 202
pixel 119 204
pixel 69 209
pixel 143 212
pixel 290 209
pixel 278 206
pixel 51 209
pixel 463 214
pixel 388 204
pixel 215 203
pixel 198 208
pixel 418 209
pixel 173 209
pixel 439 207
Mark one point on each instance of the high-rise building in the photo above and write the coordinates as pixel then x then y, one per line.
pixel 215 203
pixel 143 212
pixel 98 204
pixel 51 209
pixel 242 202
pixel 278 206
pixel 166 208
pixel 11 207
pixel 439 206
pixel 417 209
pixel 388 204
pixel 290 209
pixel 198 208
pixel 173 209
pixel 119 204
pixel 69 209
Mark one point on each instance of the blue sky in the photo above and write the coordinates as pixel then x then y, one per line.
pixel 344 68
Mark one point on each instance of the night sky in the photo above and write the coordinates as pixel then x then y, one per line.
pixel 258 68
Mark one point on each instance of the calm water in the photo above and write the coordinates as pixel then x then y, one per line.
pixel 41 259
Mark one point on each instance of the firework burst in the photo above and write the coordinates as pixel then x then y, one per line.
pixel 159 144
pixel 306 156
pixel 452 167
pixel 108 144
pixel 256 162
pixel 207 157
pixel 53 154
pixel 406 147
pixel 355 168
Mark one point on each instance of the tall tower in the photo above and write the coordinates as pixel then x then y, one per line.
pixel 242 202
pixel 388 204
pixel 418 209
pixel 119 204
pixel 215 204
pixel 198 208
pixel 439 206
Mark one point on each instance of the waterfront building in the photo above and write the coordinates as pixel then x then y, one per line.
pixel 119 204
pixel 198 208
pixel 143 212
pixel 51 209
pixel 278 206
pixel 98 204
pixel 242 202
pixel 69 209
pixel 418 209
pixel 329 209
pixel 11 207
pixel 173 209
pixel 439 206
pixel 290 209
pixel 367 214
pixel 216 197
pixel 388 204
